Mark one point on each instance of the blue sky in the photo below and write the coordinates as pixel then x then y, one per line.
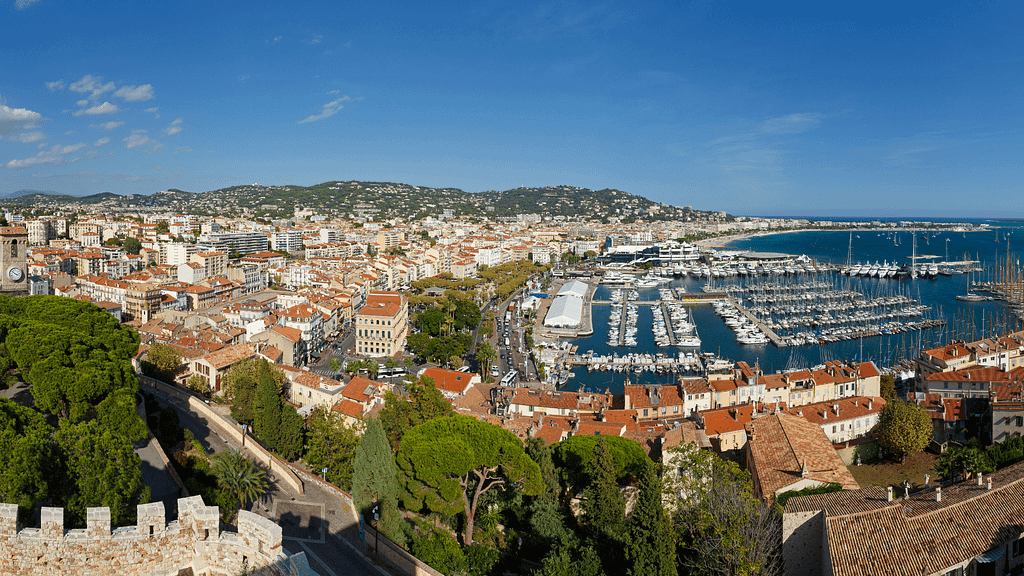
pixel 816 108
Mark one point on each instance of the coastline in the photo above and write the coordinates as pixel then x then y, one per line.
pixel 720 242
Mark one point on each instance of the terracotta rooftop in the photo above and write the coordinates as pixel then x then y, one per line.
pixel 786 449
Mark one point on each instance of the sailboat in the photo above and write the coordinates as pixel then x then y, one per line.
pixel 970 296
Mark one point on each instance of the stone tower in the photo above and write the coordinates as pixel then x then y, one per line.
pixel 13 261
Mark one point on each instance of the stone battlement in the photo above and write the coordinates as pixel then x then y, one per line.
pixel 152 546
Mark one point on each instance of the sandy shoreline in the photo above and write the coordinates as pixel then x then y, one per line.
pixel 722 241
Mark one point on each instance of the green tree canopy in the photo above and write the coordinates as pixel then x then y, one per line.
pixel 28 458
pixel 649 547
pixel 424 402
pixel 73 353
pixel 446 464
pixel 331 444
pixel 102 470
pixel 132 245
pixel 375 481
pixel 904 428
pixel 572 454
pixel 239 475
pixel 604 508
pixel 721 527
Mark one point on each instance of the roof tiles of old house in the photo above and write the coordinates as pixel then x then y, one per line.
pixel 348 408
pixel 974 374
pixel 545 398
pixel 945 409
pixel 949 352
pixel 771 381
pixel 920 535
pixel 360 389
pixel 725 420
pixel 786 448
pixel 854 407
pixel 449 380
pixel 229 355
pixel 696 386
pixel 595 428
pixel 475 400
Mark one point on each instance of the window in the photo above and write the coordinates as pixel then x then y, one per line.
pixel 833 429
pixel 1017 548
pixel 645 411
pixel 675 409
pixel 1020 421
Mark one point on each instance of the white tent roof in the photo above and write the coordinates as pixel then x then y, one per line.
pixel 574 288
pixel 564 311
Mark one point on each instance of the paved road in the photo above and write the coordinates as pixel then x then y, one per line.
pixel 318 522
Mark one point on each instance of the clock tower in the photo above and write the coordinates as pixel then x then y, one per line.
pixel 13 261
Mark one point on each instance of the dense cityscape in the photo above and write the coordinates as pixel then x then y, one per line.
pixel 548 288
pixel 291 364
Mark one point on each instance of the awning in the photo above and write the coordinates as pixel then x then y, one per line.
pixel 991 556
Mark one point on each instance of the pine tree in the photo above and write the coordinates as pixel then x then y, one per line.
pixel 605 508
pixel 267 411
pixel 375 481
pixel 649 544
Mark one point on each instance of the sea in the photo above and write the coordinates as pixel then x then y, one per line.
pixel 965 320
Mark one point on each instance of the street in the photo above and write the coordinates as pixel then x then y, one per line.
pixel 319 522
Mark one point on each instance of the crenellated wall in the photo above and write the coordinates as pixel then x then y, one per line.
pixel 153 546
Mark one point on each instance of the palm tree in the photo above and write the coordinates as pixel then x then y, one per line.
pixel 239 475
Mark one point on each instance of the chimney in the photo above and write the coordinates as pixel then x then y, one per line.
pixel 938 493
pixel 979 478
pixel 824 415
pixel 870 404
pixel 988 484
pixel 890 493
pixel 835 407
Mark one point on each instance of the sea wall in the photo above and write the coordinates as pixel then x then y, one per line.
pixel 153 546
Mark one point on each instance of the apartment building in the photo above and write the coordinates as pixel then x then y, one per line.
pixel 382 324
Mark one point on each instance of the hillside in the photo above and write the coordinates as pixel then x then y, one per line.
pixel 382 200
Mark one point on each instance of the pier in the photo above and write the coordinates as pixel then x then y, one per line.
pixel 766 329
pixel 669 330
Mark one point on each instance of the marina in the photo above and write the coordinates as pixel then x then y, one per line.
pixel 790 319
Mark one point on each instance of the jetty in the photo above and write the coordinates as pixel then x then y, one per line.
pixel 764 328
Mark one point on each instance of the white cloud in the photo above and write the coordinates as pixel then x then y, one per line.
pixel 137 178
pixel 56 85
pixel 105 108
pixel 153 109
pixel 82 103
pixel 28 137
pixel 93 85
pixel 54 155
pixel 107 125
pixel 332 92
pixel 101 142
pixel 135 93
pixel 22 4
pixel 137 139
pixel 316 39
pixel 329 109
pixel 172 130
pixel 12 119
pixel 276 39
pixel 157 147
pixel 178 121
pixel 792 124
pixel 182 149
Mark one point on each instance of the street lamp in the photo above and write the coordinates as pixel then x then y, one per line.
pixel 376 517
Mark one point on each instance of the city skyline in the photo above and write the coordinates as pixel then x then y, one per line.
pixel 797 109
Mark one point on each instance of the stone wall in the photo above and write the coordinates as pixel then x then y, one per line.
pixel 273 463
pixel 801 542
pixel 153 546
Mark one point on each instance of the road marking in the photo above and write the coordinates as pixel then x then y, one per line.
pixel 317 558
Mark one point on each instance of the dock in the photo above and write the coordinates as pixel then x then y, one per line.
pixel 766 329
pixel 669 330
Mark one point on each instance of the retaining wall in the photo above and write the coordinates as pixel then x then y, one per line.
pixel 276 465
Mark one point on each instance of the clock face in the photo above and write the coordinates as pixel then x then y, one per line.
pixel 15 273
